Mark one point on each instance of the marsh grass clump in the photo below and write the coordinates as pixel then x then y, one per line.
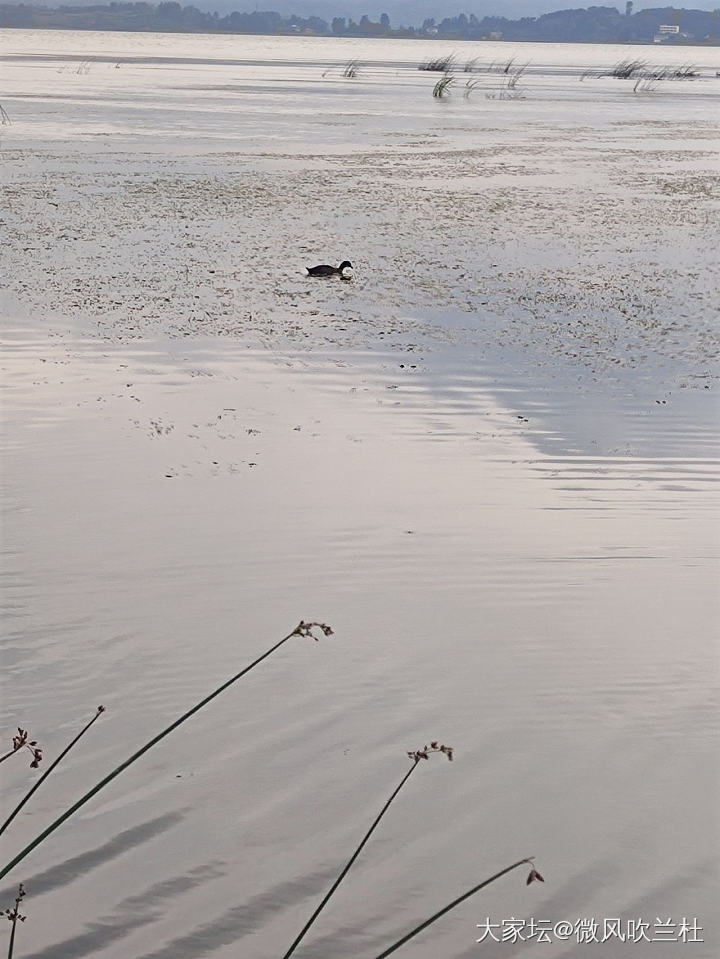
pixel 440 64
pixel 513 79
pixel 469 87
pixel 442 87
pixel 626 69
pixel 645 85
pixel 645 76
pixel 350 71
pixel 510 89
pixel 472 65
pixel 4 117
pixel 502 67
pixel 686 72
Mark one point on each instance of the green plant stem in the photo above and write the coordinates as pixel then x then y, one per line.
pixel 135 756
pixel 456 902
pixel 11 946
pixel 47 772
pixel 14 915
pixel 352 859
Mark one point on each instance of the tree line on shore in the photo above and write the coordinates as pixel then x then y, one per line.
pixel 594 24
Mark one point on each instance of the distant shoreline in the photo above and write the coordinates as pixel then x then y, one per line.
pixel 419 39
pixel 594 25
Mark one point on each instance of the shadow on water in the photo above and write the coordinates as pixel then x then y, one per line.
pixel 131 913
pixel 72 869
pixel 353 940
pixel 241 920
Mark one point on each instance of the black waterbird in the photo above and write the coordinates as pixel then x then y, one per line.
pixel 326 270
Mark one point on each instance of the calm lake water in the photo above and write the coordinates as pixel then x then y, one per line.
pixel 490 462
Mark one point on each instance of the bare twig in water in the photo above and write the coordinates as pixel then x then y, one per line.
pixel 13 915
pixel 41 780
pixel 532 877
pixel 302 629
pixel 417 756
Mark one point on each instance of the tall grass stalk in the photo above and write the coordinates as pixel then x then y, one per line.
pixel 13 915
pixel 534 874
pixel 41 780
pixel 302 629
pixel 416 757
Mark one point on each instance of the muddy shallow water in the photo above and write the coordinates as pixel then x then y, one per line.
pixel 490 461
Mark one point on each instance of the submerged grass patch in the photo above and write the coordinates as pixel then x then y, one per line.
pixel 351 69
pixel 641 70
pixel 439 64
pixel 442 87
